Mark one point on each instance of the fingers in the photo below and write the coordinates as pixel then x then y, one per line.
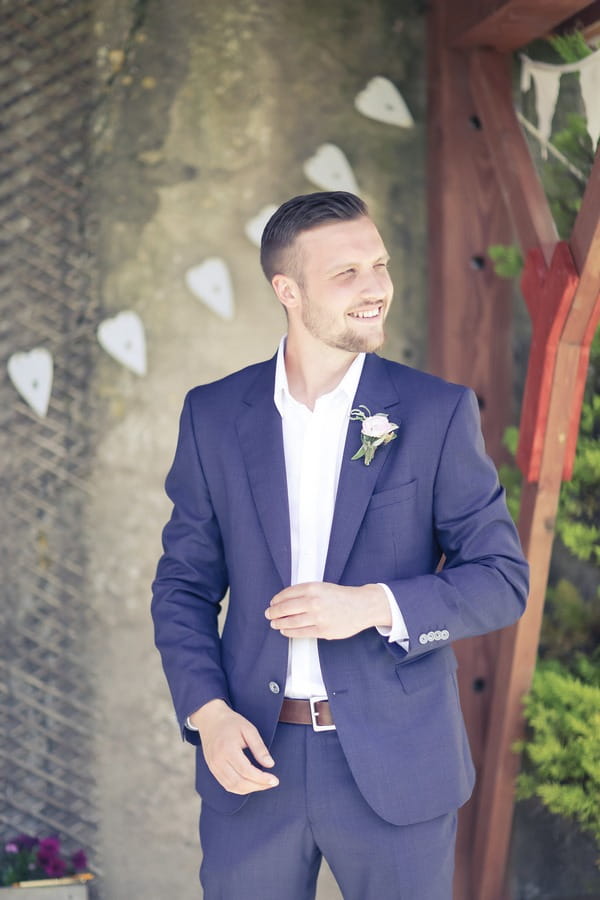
pixel 298 611
pixel 307 631
pixel 224 744
pixel 256 745
pixel 293 603
pixel 296 592
pixel 299 626
pixel 239 776
pixel 292 607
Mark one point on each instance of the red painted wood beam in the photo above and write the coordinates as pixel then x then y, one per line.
pixel 564 304
pixel 585 316
pixel 549 294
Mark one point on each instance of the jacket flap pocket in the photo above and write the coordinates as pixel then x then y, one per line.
pixel 426 669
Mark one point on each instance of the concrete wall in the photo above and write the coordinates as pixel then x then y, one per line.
pixel 206 113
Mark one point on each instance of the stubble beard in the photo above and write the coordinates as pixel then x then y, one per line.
pixel 347 339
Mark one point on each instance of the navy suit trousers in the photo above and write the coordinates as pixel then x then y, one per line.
pixel 271 849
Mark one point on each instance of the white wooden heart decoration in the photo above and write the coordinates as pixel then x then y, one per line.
pixel 381 100
pixel 31 373
pixel 123 338
pixel 329 169
pixel 211 283
pixel 254 227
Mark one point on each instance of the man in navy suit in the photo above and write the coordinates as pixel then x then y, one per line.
pixel 347 504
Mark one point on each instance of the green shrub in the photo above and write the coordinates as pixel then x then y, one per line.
pixel 562 754
pixel 571 626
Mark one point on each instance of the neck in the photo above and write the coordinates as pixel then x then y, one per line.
pixel 314 369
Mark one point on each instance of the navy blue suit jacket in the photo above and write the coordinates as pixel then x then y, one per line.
pixel 430 492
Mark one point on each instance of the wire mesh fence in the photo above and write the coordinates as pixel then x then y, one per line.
pixel 46 301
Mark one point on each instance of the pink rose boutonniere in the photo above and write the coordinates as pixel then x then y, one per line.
pixel 376 430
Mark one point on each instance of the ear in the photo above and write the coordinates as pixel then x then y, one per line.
pixel 286 290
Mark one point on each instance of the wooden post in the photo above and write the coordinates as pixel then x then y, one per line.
pixel 469 320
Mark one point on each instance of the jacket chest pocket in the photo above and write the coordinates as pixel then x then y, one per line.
pixel 384 529
pixel 389 511
pixel 391 496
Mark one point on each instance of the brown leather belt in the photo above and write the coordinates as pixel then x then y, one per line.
pixel 315 712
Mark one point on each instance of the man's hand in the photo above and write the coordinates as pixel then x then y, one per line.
pixel 319 609
pixel 224 735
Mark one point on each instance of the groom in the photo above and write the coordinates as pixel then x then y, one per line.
pixel 348 505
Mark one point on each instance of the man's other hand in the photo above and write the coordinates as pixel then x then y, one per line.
pixel 225 735
pixel 318 609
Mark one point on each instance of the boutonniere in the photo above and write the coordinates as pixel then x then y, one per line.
pixel 376 430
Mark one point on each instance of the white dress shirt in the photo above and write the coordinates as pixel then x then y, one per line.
pixel 313 443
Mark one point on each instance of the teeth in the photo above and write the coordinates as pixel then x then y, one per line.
pixel 366 314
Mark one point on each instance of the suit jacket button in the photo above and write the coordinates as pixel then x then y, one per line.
pixel 273 687
pixel 445 634
pixel 422 638
pixel 431 636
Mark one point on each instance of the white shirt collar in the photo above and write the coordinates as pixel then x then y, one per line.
pixel 348 385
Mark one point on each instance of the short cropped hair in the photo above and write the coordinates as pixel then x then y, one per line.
pixel 301 214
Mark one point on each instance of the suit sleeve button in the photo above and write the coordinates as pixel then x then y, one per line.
pixel 422 638
pixel 431 636
pixel 273 687
pixel 437 635
pixel 445 634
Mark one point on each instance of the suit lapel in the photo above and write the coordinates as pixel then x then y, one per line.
pixel 261 440
pixel 357 481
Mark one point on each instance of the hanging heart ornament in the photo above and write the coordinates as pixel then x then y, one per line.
pixel 123 338
pixel 330 170
pixel 31 373
pixel 210 282
pixel 254 227
pixel 381 100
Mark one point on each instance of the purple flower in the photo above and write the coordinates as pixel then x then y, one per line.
pixel 79 861
pixel 26 842
pixel 11 848
pixel 48 850
pixel 55 867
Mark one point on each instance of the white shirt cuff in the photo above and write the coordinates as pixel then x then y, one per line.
pixel 189 725
pixel 398 633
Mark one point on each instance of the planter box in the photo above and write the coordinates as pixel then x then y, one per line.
pixel 75 891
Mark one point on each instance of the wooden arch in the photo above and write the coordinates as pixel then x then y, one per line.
pixel 482 190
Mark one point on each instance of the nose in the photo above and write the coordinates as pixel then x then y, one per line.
pixel 375 285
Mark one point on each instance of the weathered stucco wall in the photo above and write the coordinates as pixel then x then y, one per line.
pixel 206 113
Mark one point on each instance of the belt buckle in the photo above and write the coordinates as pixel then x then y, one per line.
pixel 314 714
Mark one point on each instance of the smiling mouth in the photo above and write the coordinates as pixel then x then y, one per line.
pixel 373 312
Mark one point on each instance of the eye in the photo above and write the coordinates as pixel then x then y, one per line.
pixel 381 265
pixel 346 273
